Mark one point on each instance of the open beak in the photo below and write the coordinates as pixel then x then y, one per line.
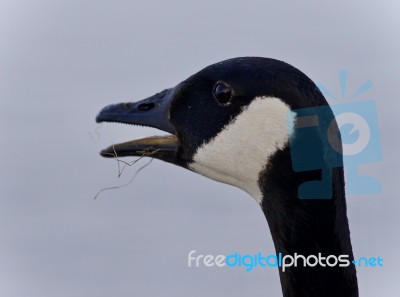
pixel 151 112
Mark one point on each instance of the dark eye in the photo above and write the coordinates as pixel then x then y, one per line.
pixel 223 92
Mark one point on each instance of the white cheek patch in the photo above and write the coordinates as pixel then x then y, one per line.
pixel 239 153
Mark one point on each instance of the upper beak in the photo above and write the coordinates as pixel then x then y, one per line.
pixel 151 112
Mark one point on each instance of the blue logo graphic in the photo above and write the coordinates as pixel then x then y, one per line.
pixel 321 145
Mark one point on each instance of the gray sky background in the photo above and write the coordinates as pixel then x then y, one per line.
pixel 62 61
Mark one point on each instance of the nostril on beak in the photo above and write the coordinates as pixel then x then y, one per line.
pixel 146 106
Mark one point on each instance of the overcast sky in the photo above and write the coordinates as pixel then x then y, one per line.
pixel 62 61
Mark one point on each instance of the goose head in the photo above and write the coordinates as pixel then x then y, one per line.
pixel 236 122
pixel 226 122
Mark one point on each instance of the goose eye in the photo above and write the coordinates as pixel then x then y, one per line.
pixel 223 92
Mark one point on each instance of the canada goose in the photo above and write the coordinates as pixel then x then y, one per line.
pixel 233 122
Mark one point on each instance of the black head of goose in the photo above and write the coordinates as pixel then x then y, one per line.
pixel 235 122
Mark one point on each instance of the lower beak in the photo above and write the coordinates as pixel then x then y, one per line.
pixel 160 147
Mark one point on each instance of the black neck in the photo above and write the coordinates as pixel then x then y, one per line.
pixel 308 227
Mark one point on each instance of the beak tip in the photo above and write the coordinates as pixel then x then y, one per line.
pixel 99 118
pixel 106 153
